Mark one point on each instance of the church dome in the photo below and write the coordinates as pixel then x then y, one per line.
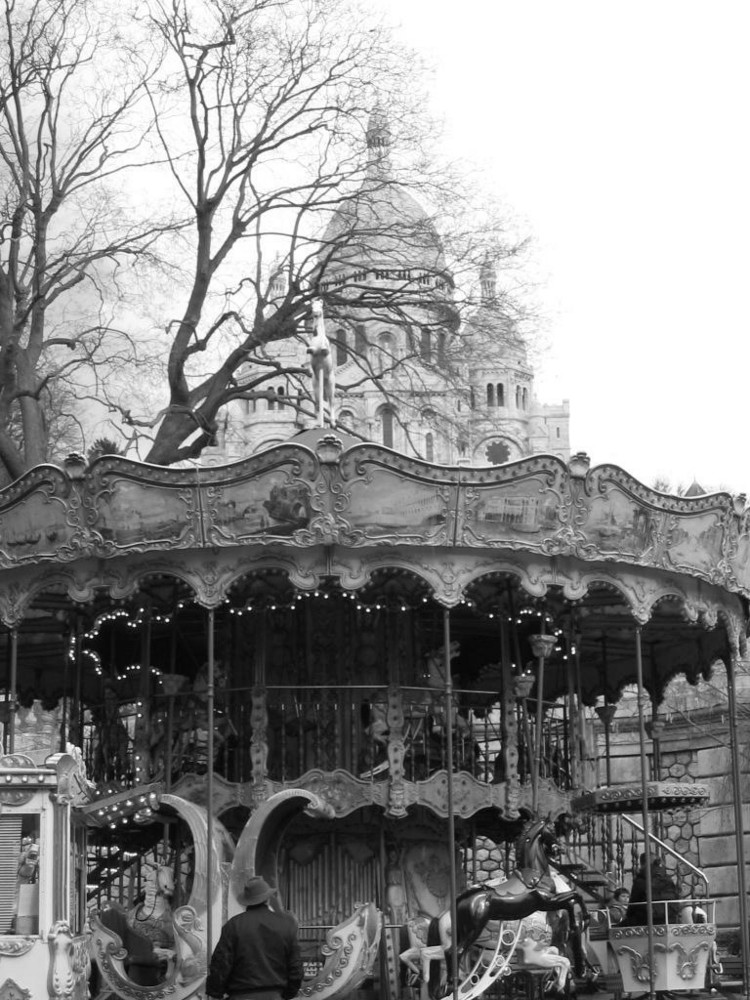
pixel 383 228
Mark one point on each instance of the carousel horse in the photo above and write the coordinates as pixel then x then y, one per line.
pixel 530 888
pixel 321 366
pixel 434 675
pixel 537 950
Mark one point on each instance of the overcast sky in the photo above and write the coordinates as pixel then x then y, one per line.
pixel 618 132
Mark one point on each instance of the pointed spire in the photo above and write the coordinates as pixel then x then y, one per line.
pixel 379 137
pixel 277 281
pixel 488 281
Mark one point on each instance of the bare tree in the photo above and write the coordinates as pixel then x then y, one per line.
pixel 282 101
pixel 72 104
pixel 237 152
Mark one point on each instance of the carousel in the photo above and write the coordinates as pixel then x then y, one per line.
pixel 369 679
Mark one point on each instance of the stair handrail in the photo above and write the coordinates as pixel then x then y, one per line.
pixel 669 850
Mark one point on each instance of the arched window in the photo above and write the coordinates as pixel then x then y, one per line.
pixel 386 422
pixel 360 340
pixel 518 397
pixel 425 345
pixel 429 447
pixel 490 394
pixel 271 402
pixel 386 352
pixel 525 398
pixel 345 417
pixel 341 353
pixel 441 348
pixel 280 391
pixel 472 399
pixel 500 394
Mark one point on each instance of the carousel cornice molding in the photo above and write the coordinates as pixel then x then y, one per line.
pixel 368 496
pixel 212 573
pixel 346 793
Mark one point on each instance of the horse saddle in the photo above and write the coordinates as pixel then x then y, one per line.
pixel 530 878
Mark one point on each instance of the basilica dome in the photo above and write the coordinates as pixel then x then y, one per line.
pixel 382 230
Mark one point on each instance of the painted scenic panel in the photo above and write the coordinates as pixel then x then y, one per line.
pixel 387 506
pixel 139 515
pixel 695 541
pixel 618 525
pixel 34 528
pixel 510 512
pixel 272 503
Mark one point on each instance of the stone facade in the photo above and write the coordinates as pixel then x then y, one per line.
pixel 450 385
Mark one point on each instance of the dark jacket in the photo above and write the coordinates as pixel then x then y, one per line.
pixel 662 888
pixel 257 950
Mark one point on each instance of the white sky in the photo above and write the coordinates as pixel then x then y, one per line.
pixel 618 131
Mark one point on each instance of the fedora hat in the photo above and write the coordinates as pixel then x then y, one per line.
pixel 256 891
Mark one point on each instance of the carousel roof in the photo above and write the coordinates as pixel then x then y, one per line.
pixel 601 553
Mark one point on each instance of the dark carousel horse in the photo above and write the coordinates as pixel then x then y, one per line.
pixel 529 889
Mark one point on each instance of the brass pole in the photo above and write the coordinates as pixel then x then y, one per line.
pixel 13 692
pixel 451 815
pixel 537 763
pixel 644 813
pixel 210 784
pixel 739 831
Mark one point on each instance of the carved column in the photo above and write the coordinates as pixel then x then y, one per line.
pixel 259 744
pixel 508 725
pixel 396 753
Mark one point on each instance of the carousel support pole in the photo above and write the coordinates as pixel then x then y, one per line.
pixel 574 744
pixel 387 931
pixel 64 715
pixel 170 696
pixel 451 815
pixel 210 782
pixel 580 714
pixel 644 814
pixel 13 685
pixel 739 826
pixel 78 698
pixel 606 713
pixel 542 645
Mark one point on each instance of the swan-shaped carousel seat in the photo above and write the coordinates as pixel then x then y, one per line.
pixel 350 949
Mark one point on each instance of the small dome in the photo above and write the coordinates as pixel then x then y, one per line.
pixel 489 321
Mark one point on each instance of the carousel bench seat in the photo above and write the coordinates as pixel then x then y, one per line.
pixel 143 967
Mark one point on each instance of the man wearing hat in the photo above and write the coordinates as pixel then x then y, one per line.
pixel 258 955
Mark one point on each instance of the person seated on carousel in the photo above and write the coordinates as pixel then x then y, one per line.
pixel 663 889
pixel 151 918
pixel 617 906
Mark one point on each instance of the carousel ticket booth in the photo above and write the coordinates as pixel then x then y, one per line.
pixel 43 939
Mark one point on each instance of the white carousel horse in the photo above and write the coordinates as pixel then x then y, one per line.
pixel 535 949
pixel 434 675
pixel 419 955
pixel 322 367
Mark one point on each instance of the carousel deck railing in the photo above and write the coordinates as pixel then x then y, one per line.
pixel 317 727
pixel 603 853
